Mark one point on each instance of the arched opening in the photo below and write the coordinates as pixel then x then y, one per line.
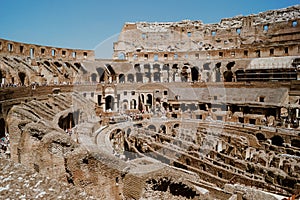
pixel 109 102
pixel 121 78
pixel 184 74
pixel 22 77
pixel 2 128
pixel 101 74
pixel 94 77
pixel 156 70
pixel 162 128
pixel 147 72
pixel 149 100
pixel 195 73
pixel 260 137
pixel 165 105
pixel 66 122
pixel 137 67
pixel 125 104
pixel 111 72
pixel 128 131
pixel 139 77
pixel 176 126
pixel 121 56
pixel 130 78
pixel 218 72
pixel 295 143
pixel 1 76
pixel 228 75
pixel 277 140
pixel 133 104
pixel 152 127
pixel 188 161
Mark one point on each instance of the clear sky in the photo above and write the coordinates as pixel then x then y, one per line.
pixel 90 24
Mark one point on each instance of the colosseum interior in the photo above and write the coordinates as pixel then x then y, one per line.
pixel 183 110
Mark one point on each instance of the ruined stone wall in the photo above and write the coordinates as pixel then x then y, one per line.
pixel 34 51
pixel 232 38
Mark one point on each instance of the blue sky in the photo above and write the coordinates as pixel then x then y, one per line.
pixel 85 24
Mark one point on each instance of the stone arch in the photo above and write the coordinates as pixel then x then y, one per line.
pixel 176 125
pixel 163 128
pixel 121 78
pixel 2 128
pixel 128 131
pixel 195 73
pixel 260 137
pixel 139 77
pixel 147 70
pixel 156 72
pixel 149 100
pixel 121 56
pixel 66 122
pixel 218 72
pixel 130 78
pixel 152 127
pixel 228 75
pixel 184 73
pixel 277 140
pixel 165 105
pixel 137 68
pixel 125 104
pixel 94 77
pixel 109 102
pixel 101 73
pixel 22 77
pixel 133 104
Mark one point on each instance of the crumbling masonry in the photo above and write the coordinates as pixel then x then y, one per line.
pixel 182 110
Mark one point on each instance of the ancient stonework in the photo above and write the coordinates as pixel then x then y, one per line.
pixel 183 110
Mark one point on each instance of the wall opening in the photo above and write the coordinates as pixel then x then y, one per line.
pixel 53 52
pixel 101 74
pixel 277 140
pixel 31 52
pixel 2 128
pixel 109 103
pixel 10 47
pixel 121 78
pixel 130 78
pixel 42 51
pixel 195 73
pixel 260 137
pixel 94 77
pixel 121 56
pixel 22 77
pixel 21 49
pixel 294 23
